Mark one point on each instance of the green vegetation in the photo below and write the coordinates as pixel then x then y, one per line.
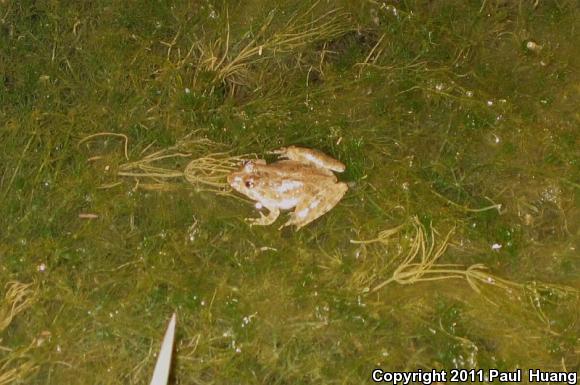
pixel 458 122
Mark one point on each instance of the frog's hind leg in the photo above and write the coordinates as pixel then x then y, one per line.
pixel 310 156
pixel 319 205
pixel 265 220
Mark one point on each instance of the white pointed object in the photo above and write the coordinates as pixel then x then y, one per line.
pixel 163 365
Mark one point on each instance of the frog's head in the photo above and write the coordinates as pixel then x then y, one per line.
pixel 243 180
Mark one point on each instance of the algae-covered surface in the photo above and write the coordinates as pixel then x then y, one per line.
pixel 456 246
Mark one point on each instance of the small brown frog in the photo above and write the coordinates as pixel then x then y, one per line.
pixel 304 181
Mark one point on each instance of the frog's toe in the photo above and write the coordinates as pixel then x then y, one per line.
pixel 264 220
pixel 282 151
pixel 258 221
pixel 288 223
pixel 251 221
pixel 297 221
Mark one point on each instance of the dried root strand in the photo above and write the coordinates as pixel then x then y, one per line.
pixel 211 171
pixel 18 297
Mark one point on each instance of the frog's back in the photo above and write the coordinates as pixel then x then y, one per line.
pixel 299 170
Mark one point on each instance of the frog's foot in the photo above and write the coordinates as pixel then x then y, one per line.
pixel 265 220
pixel 322 202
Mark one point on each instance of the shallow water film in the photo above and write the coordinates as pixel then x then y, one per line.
pixel 455 246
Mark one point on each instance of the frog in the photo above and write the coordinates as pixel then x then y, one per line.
pixel 301 178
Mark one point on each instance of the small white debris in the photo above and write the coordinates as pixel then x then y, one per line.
pixel 469 94
pixel 44 335
pixel 192 230
pixel 88 216
pixel 247 319
pixel 490 103
pixel 533 46
pixel 41 267
pixel 187 91
pixel 392 9
pixel 496 246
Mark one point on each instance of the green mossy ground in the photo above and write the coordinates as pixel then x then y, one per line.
pixel 438 108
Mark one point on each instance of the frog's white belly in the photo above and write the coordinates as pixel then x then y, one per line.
pixel 281 203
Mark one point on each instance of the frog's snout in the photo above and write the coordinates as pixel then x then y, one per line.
pixel 230 178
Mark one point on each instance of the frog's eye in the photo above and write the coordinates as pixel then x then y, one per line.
pixel 249 183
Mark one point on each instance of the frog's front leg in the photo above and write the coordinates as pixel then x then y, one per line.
pixel 265 220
